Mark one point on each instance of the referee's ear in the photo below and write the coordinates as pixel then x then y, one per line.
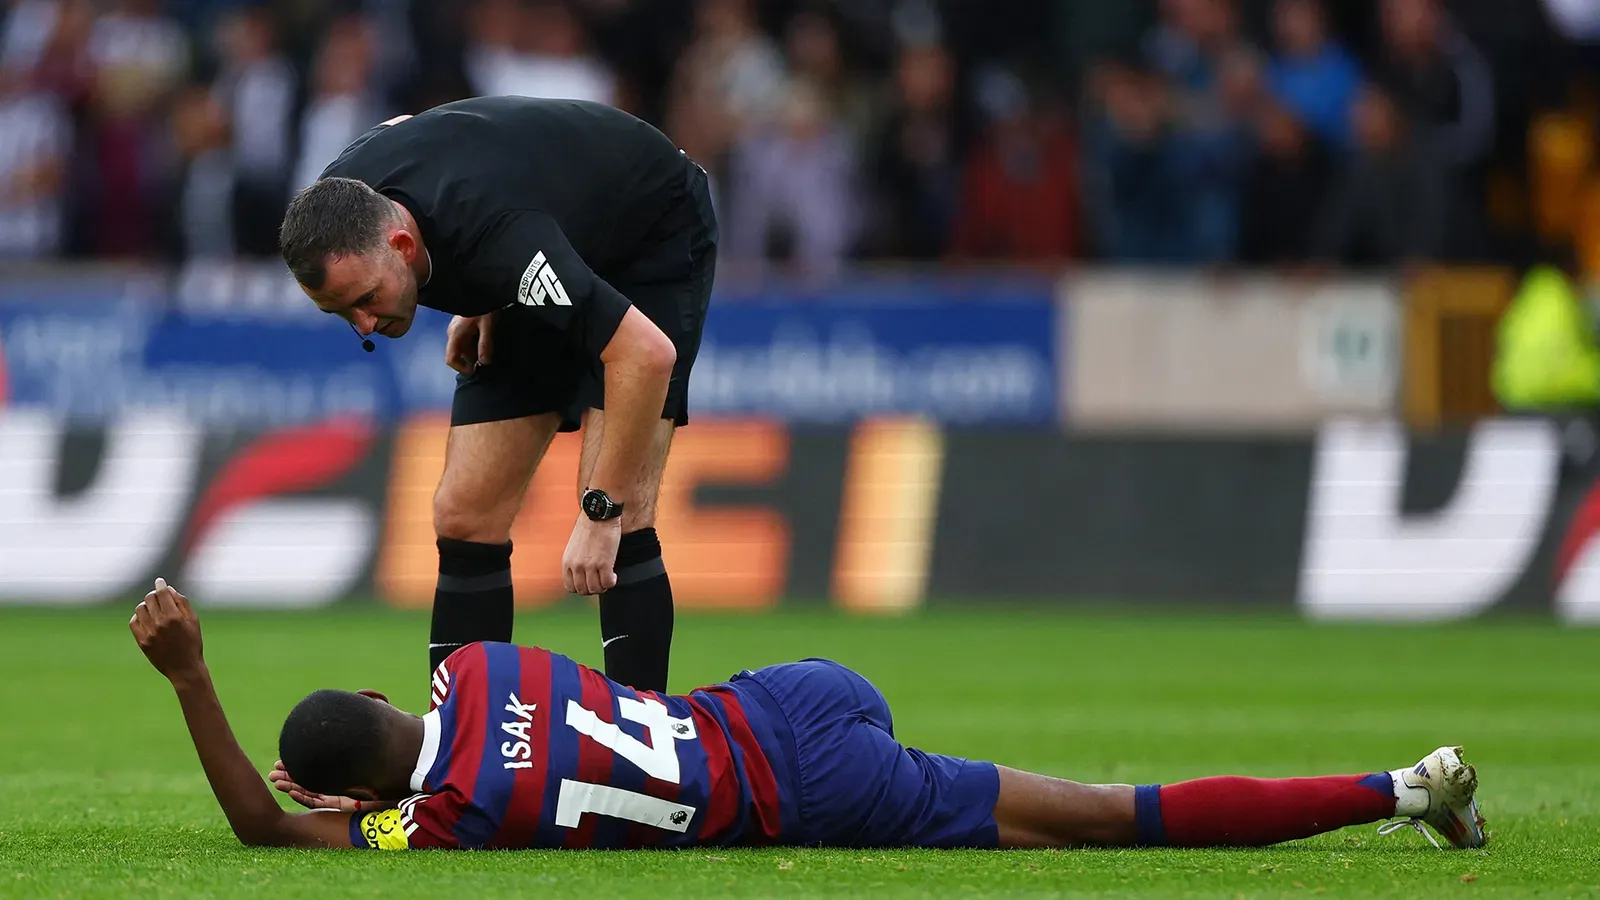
pixel 403 243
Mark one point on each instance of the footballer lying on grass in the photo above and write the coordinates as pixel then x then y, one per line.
pixel 524 748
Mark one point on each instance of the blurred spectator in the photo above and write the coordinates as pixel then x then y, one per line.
pixel 1085 32
pixel 441 34
pixel 535 48
pixel 1285 187
pixel 35 139
pixel 204 193
pixel 257 87
pixel 1019 198
pixel 1393 201
pixel 641 41
pixel 60 62
pixel 1191 46
pixel 1314 77
pixel 916 163
pixel 814 55
pixel 1133 194
pixel 1198 151
pixel 29 26
pixel 1214 78
pixel 342 104
pixel 1439 80
pixel 792 191
pixel 138 57
pixel 392 48
pixel 731 78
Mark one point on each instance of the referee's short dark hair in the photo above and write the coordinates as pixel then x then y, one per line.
pixel 333 217
pixel 333 741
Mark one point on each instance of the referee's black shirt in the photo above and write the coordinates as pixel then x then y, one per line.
pixel 524 201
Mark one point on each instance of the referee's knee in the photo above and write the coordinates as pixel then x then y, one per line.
pixel 462 521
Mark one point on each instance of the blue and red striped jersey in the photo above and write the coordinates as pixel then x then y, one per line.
pixel 526 748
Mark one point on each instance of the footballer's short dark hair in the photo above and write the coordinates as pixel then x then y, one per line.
pixel 331 218
pixel 333 741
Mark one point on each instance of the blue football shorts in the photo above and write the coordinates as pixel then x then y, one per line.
pixel 855 784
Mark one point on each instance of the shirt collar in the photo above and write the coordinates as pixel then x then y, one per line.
pixel 430 750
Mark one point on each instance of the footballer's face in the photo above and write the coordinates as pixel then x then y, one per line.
pixel 376 292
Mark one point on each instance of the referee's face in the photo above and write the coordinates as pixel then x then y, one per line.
pixel 376 292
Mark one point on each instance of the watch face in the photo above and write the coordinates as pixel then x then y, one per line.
pixel 591 503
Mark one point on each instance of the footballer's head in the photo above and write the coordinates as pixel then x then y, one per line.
pixel 351 745
pixel 351 251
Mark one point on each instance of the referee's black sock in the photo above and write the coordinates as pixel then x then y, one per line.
pixel 636 615
pixel 473 600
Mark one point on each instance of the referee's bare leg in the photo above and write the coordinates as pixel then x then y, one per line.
pixel 487 468
pixel 636 614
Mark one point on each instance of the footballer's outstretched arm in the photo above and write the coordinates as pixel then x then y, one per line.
pixel 169 634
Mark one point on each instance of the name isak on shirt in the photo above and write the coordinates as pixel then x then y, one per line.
pixel 519 754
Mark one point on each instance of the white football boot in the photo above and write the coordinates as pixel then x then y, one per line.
pixel 1439 791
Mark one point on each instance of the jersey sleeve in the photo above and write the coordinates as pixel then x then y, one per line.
pixel 525 259
pixel 420 822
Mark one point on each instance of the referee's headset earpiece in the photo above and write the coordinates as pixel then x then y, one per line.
pixel 366 342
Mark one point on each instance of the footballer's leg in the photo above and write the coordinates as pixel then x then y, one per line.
pixel 1040 811
pixel 1229 811
pixel 486 472
pixel 636 615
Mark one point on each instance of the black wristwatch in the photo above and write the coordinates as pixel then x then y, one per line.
pixel 599 507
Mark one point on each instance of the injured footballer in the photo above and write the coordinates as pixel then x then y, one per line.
pixel 524 748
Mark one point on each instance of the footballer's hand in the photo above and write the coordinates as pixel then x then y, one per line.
pixel 168 632
pixel 590 564
pixel 279 776
pixel 469 341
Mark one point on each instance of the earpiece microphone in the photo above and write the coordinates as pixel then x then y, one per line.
pixel 366 342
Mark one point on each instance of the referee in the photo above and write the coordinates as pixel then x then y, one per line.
pixel 575 246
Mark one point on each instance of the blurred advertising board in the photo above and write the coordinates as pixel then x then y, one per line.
pixel 95 361
pixel 93 350
pixel 1451 525
pixel 1193 352
pixel 753 512
pixel 961 350
pixel 241 346
pixel 1360 521
pixel 284 517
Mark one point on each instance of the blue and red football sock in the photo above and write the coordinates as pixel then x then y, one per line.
pixel 1231 811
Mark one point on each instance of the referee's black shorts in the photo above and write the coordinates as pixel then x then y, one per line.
pixel 537 370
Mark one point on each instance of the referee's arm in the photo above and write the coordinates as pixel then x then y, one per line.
pixel 526 258
pixel 638 360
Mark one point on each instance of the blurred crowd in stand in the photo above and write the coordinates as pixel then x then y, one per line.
pixel 1024 132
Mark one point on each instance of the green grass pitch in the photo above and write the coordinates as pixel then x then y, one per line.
pixel 101 795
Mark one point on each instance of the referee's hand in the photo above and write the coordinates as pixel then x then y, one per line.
pixel 588 566
pixel 468 342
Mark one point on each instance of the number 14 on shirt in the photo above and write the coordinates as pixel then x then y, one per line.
pixel 658 759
